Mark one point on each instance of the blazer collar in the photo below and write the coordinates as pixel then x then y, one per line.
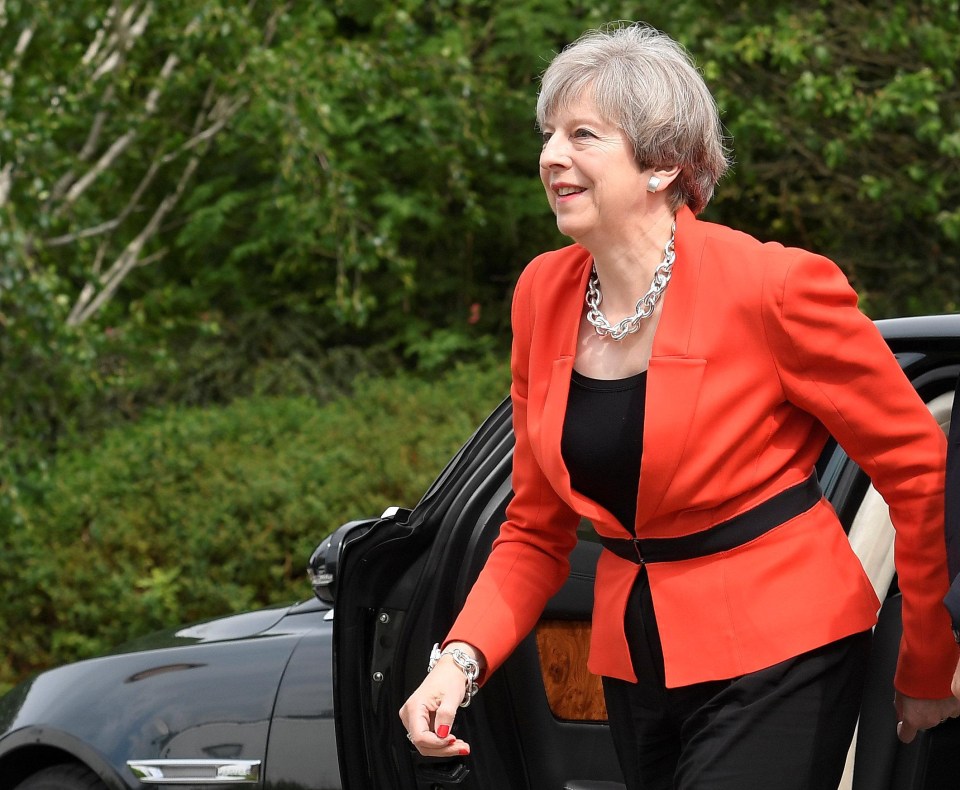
pixel 676 319
pixel 679 300
pixel 673 381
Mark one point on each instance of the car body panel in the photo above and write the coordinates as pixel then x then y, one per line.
pixel 206 691
pixel 302 745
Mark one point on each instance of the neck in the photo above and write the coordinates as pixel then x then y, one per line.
pixel 625 268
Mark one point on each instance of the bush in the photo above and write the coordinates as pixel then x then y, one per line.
pixel 194 513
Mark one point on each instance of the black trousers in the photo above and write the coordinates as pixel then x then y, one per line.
pixel 787 727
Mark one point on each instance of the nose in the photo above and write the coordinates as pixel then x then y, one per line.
pixel 555 154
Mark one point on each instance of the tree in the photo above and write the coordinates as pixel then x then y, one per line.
pixel 107 113
pixel 104 138
pixel 845 118
pixel 212 196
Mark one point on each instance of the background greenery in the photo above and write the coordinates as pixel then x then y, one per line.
pixel 209 510
pixel 215 215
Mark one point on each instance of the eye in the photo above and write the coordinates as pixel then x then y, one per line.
pixel 583 134
pixel 545 136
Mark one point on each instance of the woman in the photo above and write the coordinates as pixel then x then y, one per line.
pixel 691 420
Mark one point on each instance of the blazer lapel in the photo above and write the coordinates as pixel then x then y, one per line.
pixel 674 377
pixel 564 326
pixel 673 380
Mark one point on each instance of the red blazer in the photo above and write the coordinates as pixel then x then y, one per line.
pixel 760 351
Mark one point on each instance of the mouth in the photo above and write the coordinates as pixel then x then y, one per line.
pixel 567 190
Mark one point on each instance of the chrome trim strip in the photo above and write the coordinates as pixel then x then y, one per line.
pixel 209 772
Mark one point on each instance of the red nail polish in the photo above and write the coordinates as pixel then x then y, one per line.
pixel 443 730
pixel 451 741
pixel 464 752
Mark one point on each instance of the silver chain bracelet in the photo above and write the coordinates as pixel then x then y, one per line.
pixel 470 667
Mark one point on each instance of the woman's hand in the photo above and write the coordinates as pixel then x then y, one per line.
pixel 915 714
pixel 955 686
pixel 429 713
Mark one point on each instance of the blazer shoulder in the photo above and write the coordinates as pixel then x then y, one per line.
pixel 743 255
pixel 738 247
pixel 552 272
pixel 555 262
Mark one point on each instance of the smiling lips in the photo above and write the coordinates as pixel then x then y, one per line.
pixel 566 190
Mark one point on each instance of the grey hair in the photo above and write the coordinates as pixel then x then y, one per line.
pixel 647 84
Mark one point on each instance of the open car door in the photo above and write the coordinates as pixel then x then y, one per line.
pixel 540 722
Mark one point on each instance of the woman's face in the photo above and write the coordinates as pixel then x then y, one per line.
pixel 592 181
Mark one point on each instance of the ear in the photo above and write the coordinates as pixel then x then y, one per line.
pixel 662 177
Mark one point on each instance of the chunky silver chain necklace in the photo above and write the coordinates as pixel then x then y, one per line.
pixel 645 306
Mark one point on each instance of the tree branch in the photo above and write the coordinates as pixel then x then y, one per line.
pixel 99 119
pixel 130 257
pixel 150 105
pixel 93 138
pixel 98 39
pixel 6 179
pixel 112 224
pixel 128 30
pixel 223 112
pixel 89 289
pixel 215 112
pixel 113 152
pixel 122 143
pixel 7 74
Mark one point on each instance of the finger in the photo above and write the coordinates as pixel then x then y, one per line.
pixel 460 748
pixel 452 748
pixel 444 718
pixel 415 715
pixel 429 744
pixel 906 732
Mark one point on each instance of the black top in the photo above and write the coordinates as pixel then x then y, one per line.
pixel 602 441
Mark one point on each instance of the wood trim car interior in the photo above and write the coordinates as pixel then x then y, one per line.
pixel 573 693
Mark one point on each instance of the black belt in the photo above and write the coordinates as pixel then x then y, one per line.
pixel 723 536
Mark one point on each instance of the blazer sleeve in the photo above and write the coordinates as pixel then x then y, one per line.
pixel 529 559
pixel 952 514
pixel 834 363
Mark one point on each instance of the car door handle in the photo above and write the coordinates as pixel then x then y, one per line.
pixel 213 772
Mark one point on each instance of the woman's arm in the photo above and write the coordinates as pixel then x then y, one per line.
pixel 529 559
pixel 834 363
pixel 527 564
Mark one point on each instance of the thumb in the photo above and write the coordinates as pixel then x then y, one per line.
pixel 444 717
pixel 906 732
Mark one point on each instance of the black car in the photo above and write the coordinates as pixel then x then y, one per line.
pixel 297 699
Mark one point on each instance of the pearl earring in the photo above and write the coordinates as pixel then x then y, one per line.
pixel 653 184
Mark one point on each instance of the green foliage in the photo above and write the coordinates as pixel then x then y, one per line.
pixel 203 200
pixel 364 174
pixel 50 378
pixel 845 121
pixel 200 512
